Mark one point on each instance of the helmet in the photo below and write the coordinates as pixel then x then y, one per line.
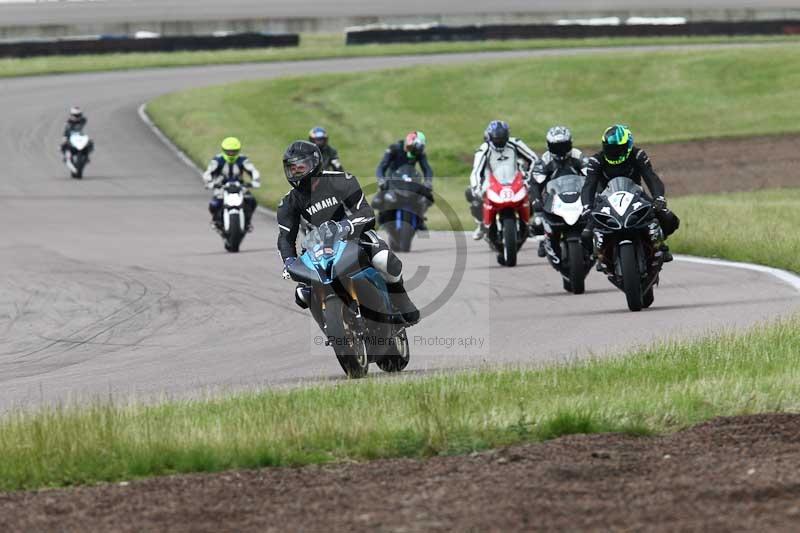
pixel 318 136
pixel 415 144
pixel 75 114
pixel 231 146
pixel 496 134
pixel 301 159
pixel 559 142
pixel 617 144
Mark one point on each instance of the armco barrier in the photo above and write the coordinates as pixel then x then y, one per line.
pixel 122 44
pixel 554 31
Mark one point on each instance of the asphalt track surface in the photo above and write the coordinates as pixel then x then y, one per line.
pixel 82 11
pixel 115 285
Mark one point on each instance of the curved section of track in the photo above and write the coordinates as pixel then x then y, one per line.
pixel 115 284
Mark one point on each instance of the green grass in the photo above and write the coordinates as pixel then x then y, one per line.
pixel 654 390
pixel 322 46
pixel 756 227
pixel 664 96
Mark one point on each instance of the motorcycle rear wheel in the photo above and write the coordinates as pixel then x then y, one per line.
pixel 349 347
pixel 398 355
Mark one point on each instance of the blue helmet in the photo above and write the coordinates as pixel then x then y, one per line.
pixel 497 134
pixel 318 136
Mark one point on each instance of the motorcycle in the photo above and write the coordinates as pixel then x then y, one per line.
pixel 506 209
pixel 402 207
pixel 79 147
pixel 232 223
pixel 627 241
pixel 563 224
pixel 349 301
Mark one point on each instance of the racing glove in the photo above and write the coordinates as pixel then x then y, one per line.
pixel 289 261
pixel 660 203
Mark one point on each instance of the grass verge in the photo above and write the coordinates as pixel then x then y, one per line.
pixel 324 46
pixel 756 227
pixel 654 390
pixel 664 96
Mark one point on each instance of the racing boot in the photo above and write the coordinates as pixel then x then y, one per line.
pixel 541 252
pixel 479 232
pixel 666 254
pixel 402 303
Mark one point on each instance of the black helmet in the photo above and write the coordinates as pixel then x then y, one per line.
pixel 617 144
pixel 496 134
pixel 559 142
pixel 75 114
pixel 301 159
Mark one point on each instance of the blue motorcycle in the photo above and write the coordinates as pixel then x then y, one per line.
pixel 349 301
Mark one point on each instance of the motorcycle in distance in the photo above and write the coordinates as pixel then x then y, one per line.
pixel 349 301
pixel 401 207
pixel 506 209
pixel 563 225
pixel 627 240
pixel 78 144
pixel 232 222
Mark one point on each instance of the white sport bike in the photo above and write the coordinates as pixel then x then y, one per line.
pixel 79 146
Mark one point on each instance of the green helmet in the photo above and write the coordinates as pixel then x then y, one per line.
pixel 617 144
pixel 231 146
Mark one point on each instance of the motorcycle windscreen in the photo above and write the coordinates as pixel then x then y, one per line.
pixel 406 173
pixel 503 168
pixel 567 184
pixel 621 184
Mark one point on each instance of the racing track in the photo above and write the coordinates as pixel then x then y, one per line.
pixel 115 284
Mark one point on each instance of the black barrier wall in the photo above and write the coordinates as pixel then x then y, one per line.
pixel 111 44
pixel 552 31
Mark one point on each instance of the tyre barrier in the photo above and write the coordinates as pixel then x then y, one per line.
pixel 436 33
pixel 111 44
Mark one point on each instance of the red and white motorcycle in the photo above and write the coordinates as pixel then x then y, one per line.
pixel 506 207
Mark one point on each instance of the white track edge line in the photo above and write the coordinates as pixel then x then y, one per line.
pixel 785 276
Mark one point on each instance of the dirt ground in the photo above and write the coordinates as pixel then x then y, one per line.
pixel 728 165
pixel 734 474
pixel 738 474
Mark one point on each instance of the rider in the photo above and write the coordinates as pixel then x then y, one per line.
pixel 405 152
pixel 320 196
pixel 560 159
pixel 230 164
pixel 497 143
pixel 75 122
pixel 330 156
pixel 619 157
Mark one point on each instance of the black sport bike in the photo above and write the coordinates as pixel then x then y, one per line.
pixel 627 241
pixel 563 223
pixel 402 206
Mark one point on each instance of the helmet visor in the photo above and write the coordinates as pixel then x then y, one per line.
pixel 560 149
pixel 499 139
pixel 616 153
pixel 298 168
pixel 230 155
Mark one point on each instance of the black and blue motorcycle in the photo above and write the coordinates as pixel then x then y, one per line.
pixel 349 301
pixel 401 207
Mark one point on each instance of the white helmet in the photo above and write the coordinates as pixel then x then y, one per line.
pixel 559 141
pixel 75 112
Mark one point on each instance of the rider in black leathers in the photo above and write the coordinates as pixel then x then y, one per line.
pixel 319 196
pixel 410 151
pixel 75 122
pixel 619 157
pixel 330 155
pixel 560 159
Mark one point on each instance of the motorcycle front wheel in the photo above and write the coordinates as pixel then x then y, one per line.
pixel 631 278
pixel 349 347
pixel 510 241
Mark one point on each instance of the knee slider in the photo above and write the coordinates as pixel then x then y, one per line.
pixel 389 264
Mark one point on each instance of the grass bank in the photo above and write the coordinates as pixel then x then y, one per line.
pixel 756 227
pixel 664 96
pixel 325 46
pixel 655 390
